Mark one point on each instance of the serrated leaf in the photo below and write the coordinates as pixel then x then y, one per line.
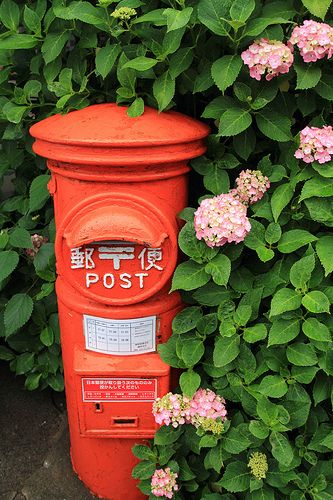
pixel 189 275
pixel 144 470
pixel 281 448
pixel 324 249
pixel 226 350
pixel 143 452
pixel 105 59
pixel 17 312
pixel 255 333
pixel 315 330
pixel 234 121
pixel 316 302
pixel 192 351
pixel 177 18
pixel 284 300
pixel 189 382
pixel 283 331
pixel 235 441
pixel 274 125
pixel 300 272
pixel 212 14
pixel 136 108
pixel 241 9
pixel 18 41
pixel 308 75
pixel 164 90
pixel 216 180
pixel 219 268
pixel 47 336
pixel 300 354
pixel 225 71
pixel 273 386
pixel 141 63
pixel 256 26
pixel 38 194
pixel 318 186
pixel 8 262
pixel 324 87
pixel 316 8
pixel 280 199
pixel 53 45
pixel 20 238
pixel 294 239
pixel 186 320
pixel 236 477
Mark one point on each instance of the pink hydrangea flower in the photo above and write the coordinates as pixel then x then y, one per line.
pixel 221 220
pixel 37 240
pixel 251 186
pixel 268 57
pixel 163 483
pixel 316 144
pixel 171 409
pixel 315 40
pixel 206 405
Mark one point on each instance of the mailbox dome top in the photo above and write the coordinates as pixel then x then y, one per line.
pixel 109 125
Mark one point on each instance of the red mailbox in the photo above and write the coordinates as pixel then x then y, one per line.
pixel 118 184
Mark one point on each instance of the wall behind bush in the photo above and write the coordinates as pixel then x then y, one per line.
pixel 258 329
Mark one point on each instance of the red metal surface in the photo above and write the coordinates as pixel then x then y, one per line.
pixel 118 184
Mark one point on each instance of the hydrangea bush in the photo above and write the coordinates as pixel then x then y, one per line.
pixel 257 236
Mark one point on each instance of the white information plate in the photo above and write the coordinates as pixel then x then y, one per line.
pixel 122 337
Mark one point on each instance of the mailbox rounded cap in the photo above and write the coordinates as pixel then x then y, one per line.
pixel 109 125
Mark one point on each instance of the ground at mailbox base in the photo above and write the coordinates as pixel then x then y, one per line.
pixel 34 445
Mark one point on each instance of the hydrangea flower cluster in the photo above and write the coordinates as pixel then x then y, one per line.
pixel 205 408
pixel 258 465
pixel 251 186
pixel 37 241
pixel 163 483
pixel 315 40
pixel 202 410
pixel 171 409
pixel 316 144
pixel 123 13
pixel 268 57
pixel 221 220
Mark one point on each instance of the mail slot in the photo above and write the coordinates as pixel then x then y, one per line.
pixel 118 184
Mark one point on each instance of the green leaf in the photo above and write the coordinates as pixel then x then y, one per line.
pixel 14 42
pixel 180 61
pixel 280 199
pixel 219 268
pixel 194 248
pixel 255 333
pixel 318 186
pixel 186 320
pixel 234 121
pixel 31 20
pixel 300 272
pixel 177 18
pixel 38 194
pixel 241 10
pixel 6 354
pixel 324 87
pixel 324 249
pixel 13 112
pixel 244 143
pixel 8 262
pixel 273 233
pixel 273 386
pixel 20 238
pixel 283 331
pixel 85 12
pixel 294 239
pixel 17 312
pixel 105 59
pixel 189 382
pixel 236 477
pixel 53 45
pixel 256 26
pixel 226 350
pixel 281 448
pixel 47 336
pixel 10 14
pixel 189 275
pixel 315 330
pixel 308 75
pixel 143 452
pixel 318 9
pixel 211 13
pixel 225 71
pixel 274 125
pixel 167 435
pixel 235 441
pixel 258 429
pixel 136 108
pixel 300 354
pixel 321 210
pixel 144 470
pixel 164 90
pixel 141 63
pixel 192 351
pixel 316 302
pixel 216 180
pixel 284 300
pixel 325 170
pixel 24 363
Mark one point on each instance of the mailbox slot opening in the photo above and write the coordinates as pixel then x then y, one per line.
pixel 98 407
pixel 125 421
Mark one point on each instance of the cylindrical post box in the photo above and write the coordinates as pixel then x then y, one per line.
pixel 118 184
